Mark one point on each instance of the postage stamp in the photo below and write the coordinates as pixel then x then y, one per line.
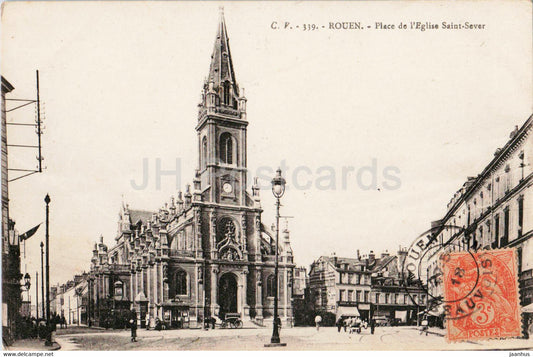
pixel 482 295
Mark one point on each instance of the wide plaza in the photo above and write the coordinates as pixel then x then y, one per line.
pixel 298 338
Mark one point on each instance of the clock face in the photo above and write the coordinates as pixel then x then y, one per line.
pixel 227 187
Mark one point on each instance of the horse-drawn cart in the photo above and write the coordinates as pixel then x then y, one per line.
pixel 231 320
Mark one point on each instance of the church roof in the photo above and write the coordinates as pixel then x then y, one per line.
pixel 140 215
pixel 221 68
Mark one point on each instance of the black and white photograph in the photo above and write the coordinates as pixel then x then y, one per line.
pixel 267 176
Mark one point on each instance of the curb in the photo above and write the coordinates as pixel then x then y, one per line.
pixel 58 347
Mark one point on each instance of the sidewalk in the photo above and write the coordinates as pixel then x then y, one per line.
pixel 32 344
pixel 502 344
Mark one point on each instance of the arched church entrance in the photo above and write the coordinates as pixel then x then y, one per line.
pixel 227 294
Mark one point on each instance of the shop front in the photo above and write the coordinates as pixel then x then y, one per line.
pixel 176 314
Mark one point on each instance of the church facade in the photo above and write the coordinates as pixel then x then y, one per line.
pixel 205 252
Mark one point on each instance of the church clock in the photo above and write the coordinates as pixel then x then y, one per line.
pixel 227 187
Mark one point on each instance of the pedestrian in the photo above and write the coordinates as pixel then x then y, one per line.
pixel 425 326
pixel 148 322
pixel 318 320
pixel 372 326
pixel 339 324
pixel 133 325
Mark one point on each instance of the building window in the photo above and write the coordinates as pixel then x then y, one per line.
pixel 366 296
pixel 377 298
pixel 396 298
pixel 227 231
pixel 181 282
pixel 496 242
pixel 227 93
pixel 204 152
pixel 118 289
pixel 505 237
pixel 422 299
pixel 519 259
pixel 520 215
pixel 350 295
pixel 342 295
pixel 358 296
pixel 226 148
pixel 270 285
pixel 405 299
pixel 415 299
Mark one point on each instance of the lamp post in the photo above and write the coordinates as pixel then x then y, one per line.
pixel 278 189
pixel 42 280
pixel 49 331
pixel 37 296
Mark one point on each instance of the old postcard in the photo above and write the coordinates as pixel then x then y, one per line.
pixel 267 176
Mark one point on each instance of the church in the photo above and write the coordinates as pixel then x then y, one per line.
pixel 205 252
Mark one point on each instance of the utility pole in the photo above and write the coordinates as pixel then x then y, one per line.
pixel 39 158
pixel 24 172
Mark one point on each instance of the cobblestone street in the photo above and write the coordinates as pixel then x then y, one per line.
pixel 299 338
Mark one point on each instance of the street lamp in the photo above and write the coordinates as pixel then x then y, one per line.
pixel 42 281
pixel 27 282
pixel 278 189
pixel 37 296
pixel 49 329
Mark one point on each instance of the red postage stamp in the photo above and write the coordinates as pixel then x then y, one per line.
pixel 481 295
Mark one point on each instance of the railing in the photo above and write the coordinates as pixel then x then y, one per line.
pixel 116 266
pixel 181 252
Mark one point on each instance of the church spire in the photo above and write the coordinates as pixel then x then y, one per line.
pixel 221 73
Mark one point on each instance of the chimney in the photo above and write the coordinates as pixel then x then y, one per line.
pixel 371 257
pixel 402 254
pixel 358 255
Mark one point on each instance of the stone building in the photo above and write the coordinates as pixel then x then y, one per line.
pixel 369 287
pixel 68 299
pixel 495 210
pixel 206 252
pixel 11 275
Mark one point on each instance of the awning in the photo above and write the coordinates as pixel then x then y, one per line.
pixel 433 312
pixel 528 308
pixel 175 303
pixel 351 311
pixel 402 315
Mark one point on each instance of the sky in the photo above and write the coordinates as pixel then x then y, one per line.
pixel 120 84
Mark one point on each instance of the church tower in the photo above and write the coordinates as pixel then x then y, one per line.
pixel 206 253
pixel 221 129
